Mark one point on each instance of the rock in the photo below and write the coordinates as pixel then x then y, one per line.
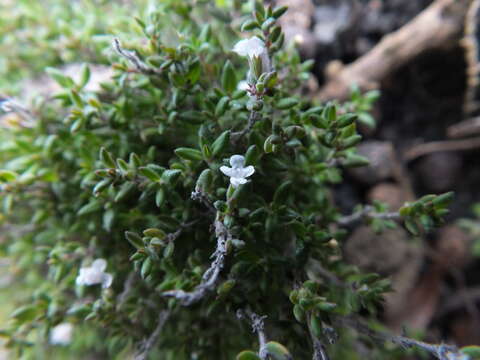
pixel 384 253
pixel 453 247
pixel 296 24
pixel 439 171
pixel 389 194
pixel 382 162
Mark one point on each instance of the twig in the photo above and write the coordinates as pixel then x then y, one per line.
pixel 149 343
pixel 174 235
pixel 133 58
pixel 367 212
pixel 123 296
pixel 438 26
pixel 258 326
pixel 211 276
pixel 252 119
pixel 440 351
pixel 437 146
pixel 324 273
pixel 319 351
pixel 9 105
pixel 203 198
pixel 464 128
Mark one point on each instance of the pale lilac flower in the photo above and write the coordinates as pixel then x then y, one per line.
pixel 61 334
pixel 95 274
pixel 250 47
pixel 238 172
pixel 243 85
pixel 253 48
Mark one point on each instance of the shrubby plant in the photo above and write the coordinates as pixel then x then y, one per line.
pixel 191 201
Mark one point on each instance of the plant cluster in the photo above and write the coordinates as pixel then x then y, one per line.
pixel 191 200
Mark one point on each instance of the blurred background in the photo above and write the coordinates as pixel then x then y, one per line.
pixel 422 136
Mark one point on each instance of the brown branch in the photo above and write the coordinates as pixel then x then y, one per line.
pixel 438 26
pixel 438 146
pixel 367 212
pixel 212 275
pixel 150 343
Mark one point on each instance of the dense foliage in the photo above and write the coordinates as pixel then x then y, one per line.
pixel 136 174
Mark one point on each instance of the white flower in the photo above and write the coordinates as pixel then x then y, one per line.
pixel 253 48
pixel 237 173
pixel 243 85
pixel 250 47
pixel 61 334
pixel 95 274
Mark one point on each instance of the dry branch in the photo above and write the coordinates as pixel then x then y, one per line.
pixel 438 26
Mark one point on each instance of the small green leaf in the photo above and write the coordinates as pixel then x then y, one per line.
pixel 279 11
pixel 471 350
pixel 229 79
pixel 222 106
pixel 277 351
pixel 221 143
pixel 249 25
pixel 189 154
pixel 25 313
pixel 160 197
pixel 204 181
pixel 7 175
pixel 62 80
pixel 154 232
pixel 248 355
pixel 84 75
pixel 134 239
pixel 149 173
pixel 171 175
pixel 286 103
pixel 146 268
pixel 89 208
pixel 107 159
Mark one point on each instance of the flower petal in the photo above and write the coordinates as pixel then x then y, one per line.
pixel 250 47
pixel 248 171
pixel 99 264
pixel 235 181
pixel 237 161
pixel 227 171
pixel 107 280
